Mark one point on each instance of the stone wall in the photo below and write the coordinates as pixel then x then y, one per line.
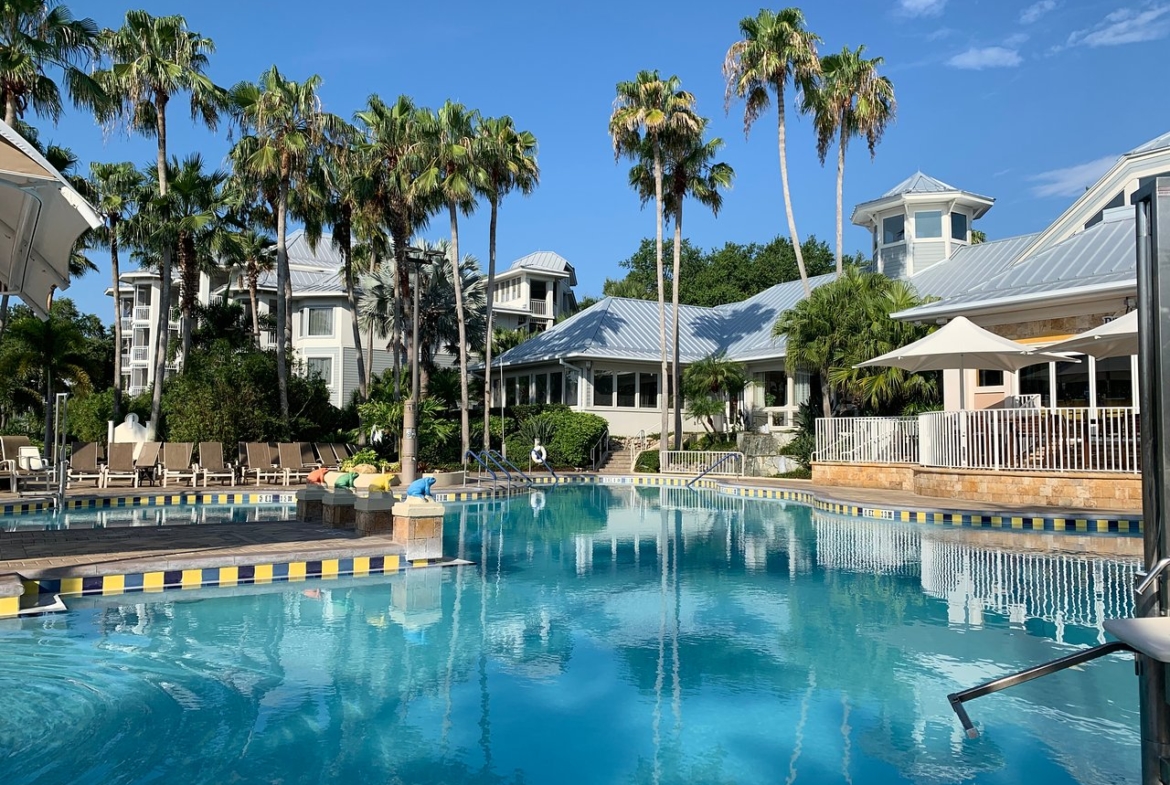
pixel 1079 491
pixel 1043 328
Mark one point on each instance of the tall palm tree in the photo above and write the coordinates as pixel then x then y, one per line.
pixel 452 138
pixel 113 189
pixel 440 327
pixel 153 59
pixel 283 124
pixel 776 49
pixel 644 111
pixel 849 99
pixel 690 171
pixel 507 162
pixel 255 255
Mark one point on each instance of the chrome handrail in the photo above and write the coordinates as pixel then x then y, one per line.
pixel 711 468
pixel 596 457
pixel 500 459
pixel 475 457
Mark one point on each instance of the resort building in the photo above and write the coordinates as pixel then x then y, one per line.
pixel 535 291
pixel 1073 275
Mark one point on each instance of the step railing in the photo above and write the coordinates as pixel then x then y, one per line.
pixel 483 464
pixel 502 461
pixel 731 456
pixel 729 464
pixel 600 450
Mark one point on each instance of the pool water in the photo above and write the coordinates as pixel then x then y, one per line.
pixel 162 515
pixel 605 635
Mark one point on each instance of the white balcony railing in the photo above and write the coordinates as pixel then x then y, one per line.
pixel 138 354
pixel 125 358
pixel 696 461
pixel 135 390
pixel 538 307
pixel 1024 439
pixel 127 322
pixel 267 340
pixel 142 313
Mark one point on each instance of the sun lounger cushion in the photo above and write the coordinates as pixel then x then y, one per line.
pixel 317 475
pixel 345 480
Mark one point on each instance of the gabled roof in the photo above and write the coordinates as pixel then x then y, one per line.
pixel 919 183
pixel 545 261
pixel 302 254
pixel 747 327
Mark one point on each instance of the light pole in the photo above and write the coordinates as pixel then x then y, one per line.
pixel 409 453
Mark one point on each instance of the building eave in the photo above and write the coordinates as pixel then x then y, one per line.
pixel 1012 303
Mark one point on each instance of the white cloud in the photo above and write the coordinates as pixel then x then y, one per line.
pixel 1072 180
pixel 939 34
pixel 1126 26
pixel 921 7
pixel 1033 12
pixel 978 58
pixel 1014 41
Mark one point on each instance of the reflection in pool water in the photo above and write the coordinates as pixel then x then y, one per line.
pixel 613 635
pixel 162 515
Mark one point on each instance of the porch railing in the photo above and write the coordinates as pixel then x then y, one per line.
pixel 722 464
pixel 538 307
pixel 142 313
pixel 867 440
pixel 138 354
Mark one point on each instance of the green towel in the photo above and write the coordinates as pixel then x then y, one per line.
pixel 345 480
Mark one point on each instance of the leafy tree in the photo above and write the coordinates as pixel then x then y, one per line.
pixel 849 99
pixel 978 236
pixel 709 384
pixel 776 49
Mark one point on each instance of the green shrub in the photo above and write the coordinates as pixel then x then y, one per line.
pixel 648 461
pixel 89 415
pixel 568 436
pixel 796 474
pixel 804 444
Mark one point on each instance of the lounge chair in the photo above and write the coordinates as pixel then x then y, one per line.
pixel 147 462
pixel 259 459
pixel 326 455
pixel 291 462
pixel 211 465
pixel 9 458
pixel 176 463
pixel 32 468
pixel 309 459
pixel 84 463
pixel 342 452
pixel 120 464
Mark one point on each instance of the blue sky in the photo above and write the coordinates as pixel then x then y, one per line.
pixel 1024 102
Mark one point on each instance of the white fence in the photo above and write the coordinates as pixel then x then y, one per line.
pixel 142 313
pixel 138 354
pixel 1024 439
pixel 538 307
pixel 696 461
pixel 867 440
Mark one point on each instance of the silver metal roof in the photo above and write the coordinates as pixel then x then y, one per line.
pixel 919 183
pixel 547 261
pixel 301 254
pixel 969 266
pixel 1157 143
pixel 747 328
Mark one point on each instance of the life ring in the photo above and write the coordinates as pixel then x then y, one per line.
pixel 538 454
pixel 537 501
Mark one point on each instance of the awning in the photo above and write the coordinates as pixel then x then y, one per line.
pixel 41 217
pixel 1117 338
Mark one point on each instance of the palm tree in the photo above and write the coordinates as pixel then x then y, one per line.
pixel 690 171
pixel 152 60
pixel 452 138
pixel 849 99
pixel 255 255
pixel 283 124
pixel 644 111
pixel 113 189
pixel 713 378
pixel 776 49
pixel 507 162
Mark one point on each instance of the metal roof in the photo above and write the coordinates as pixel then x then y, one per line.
pixel 747 327
pixel 969 266
pixel 301 254
pixel 1157 143
pixel 546 261
pixel 919 183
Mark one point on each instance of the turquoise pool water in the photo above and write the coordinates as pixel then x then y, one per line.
pixel 163 515
pixel 606 635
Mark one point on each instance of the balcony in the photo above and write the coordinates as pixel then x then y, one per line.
pixel 142 313
pixel 267 340
pixel 125 359
pixel 127 322
pixel 538 307
pixel 135 390
pixel 138 354
pixel 175 314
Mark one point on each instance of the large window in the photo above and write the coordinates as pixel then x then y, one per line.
pixel 893 229
pixel 959 226
pixel 1072 383
pixel 321 367
pixel 1115 382
pixel 556 392
pixel 510 390
pixel 648 390
pixel 775 388
pixel 540 394
pixel 928 224
pixel 603 388
pixel 319 321
pixel 1034 380
pixel 571 389
pixel 627 390
pixel 522 390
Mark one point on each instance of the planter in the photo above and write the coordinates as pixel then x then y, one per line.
pixel 448 479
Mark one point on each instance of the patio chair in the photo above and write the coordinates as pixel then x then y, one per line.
pixel 326 455
pixel 31 468
pixel 342 451
pixel 120 464
pixel 176 463
pixel 211 464
pixel 84 463
pixel 309 459
pixel 147 462
pixel 9 453
pixel 291 462
pixel 259 463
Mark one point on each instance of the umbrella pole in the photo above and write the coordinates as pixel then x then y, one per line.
pixel 962 414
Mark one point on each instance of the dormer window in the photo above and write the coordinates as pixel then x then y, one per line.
pixel 928 224
pixel 893 229
pixel 959 226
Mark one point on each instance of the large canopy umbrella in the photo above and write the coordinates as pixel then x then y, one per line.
pixel 964 345
pixel 41 217
pixel 1117 338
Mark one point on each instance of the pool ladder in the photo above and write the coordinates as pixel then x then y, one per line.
pixel 489 458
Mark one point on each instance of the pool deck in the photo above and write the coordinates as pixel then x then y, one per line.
pixel 92 554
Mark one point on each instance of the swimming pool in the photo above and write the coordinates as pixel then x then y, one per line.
pixel 612 635
pixel 162 515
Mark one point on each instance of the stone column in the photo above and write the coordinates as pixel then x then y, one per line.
pixel 418 527
pixel 337 508
pixel 309 504
pixel 373 514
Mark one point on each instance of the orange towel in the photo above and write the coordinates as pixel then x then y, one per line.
pixel 317 475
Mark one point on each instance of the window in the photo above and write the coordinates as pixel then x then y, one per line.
pixel 556 392
pixel 541 394
pixel 1072 383
pixel 648 390
pixel 627 390
pixel 319 321
pixel 959 226
pixel 603 388
pixel 775 388
pixel 1034 381
pixel 894 229
pixel 928 224
pixel 510 390
pixel 321 367
pixel 1114 382
pixel 571 389
pixel 990 379
pixel 522 390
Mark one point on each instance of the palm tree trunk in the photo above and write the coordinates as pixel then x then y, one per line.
pixel 826 395
pixel 840 188
pixel 396 337
pixel 254 299
pixel 281 302
pixel 487 351
pixel 189 281
pixel 162 324
pixel 787 194
pixel 351 301
pixel 675 371
pixel 461 319
pixel 665 419
pixel 370 355
pixel 115 274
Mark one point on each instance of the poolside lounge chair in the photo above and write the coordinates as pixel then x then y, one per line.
pixel 211 465
pixel 120 464
pixel 32 468
pixel 342 451
pixel 146 462
pixel 10 447
pixel 176 462
pixel 326 455
pixel 84 463
pixel 259 460
pixel 309 459
pixel 291 462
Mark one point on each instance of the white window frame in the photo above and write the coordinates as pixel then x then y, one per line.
pixel 308 320
pixel 327 378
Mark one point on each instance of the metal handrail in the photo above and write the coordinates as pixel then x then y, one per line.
pixel 488 454
pixel 637 442
pixel 596 457
pixel 546 465
pixel 501 459
pixel 475 457
pixel 711 468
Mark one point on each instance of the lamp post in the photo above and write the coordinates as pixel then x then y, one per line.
pixel 409 453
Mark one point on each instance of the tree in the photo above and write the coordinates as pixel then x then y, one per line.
pixel 690 171
pixel 776 49
pixel 113 189
pixel 849 99
pixel 283 124
pixel 152 60
pixel 846 322
pixel 507 162
pixel 713 379
pixel 255 254
pixel 645 110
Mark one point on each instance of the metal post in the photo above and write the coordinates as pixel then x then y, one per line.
pixel 1152 206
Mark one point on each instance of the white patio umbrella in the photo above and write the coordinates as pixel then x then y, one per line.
pixel 961 344
pixel 41 217
pixel 1117 338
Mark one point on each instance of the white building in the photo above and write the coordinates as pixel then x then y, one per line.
pixel 535 291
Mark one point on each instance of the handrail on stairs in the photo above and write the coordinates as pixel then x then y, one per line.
pixel 488 454
pixel 711 468
pixel 500 459
pixel 600 450
pixel 476 457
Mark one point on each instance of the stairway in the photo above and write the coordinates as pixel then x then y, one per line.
pixel 620 461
